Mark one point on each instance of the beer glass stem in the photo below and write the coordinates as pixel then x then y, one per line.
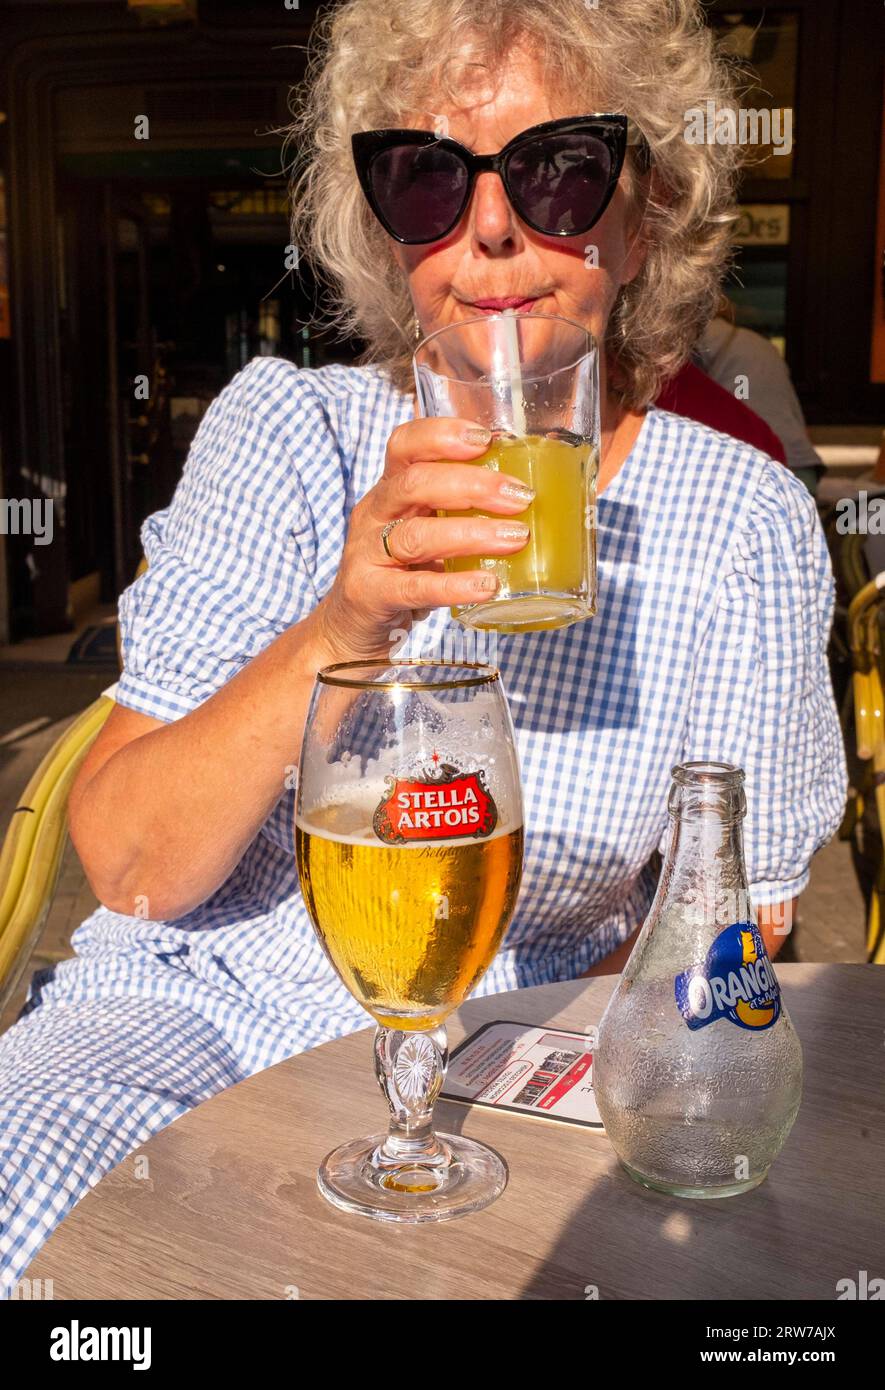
pixel 411 1068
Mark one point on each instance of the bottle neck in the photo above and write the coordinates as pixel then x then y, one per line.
pixel 704 876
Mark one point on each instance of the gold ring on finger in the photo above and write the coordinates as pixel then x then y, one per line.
pixel 385 533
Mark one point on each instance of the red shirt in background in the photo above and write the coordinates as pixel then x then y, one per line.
pixel 694 394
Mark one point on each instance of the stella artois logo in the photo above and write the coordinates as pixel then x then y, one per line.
pixel 444 804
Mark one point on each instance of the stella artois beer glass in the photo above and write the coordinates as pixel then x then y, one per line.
pixel 532 379
pixel 409 838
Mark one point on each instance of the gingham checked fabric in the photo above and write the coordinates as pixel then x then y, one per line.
pixel 715 600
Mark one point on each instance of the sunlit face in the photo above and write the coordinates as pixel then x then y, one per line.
pixel 492 254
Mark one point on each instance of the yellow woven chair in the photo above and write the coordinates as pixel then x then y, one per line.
pixel 865 632
pixel 32 850
pixel 31 855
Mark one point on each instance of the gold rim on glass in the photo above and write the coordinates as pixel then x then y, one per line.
pixel 329 675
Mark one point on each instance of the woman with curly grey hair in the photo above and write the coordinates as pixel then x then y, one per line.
pixel 715 592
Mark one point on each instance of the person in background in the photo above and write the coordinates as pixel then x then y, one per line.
pixel 696 396
pixel 726 352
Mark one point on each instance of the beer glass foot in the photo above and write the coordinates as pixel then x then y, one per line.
pixel 732 1189
pixel 468 1177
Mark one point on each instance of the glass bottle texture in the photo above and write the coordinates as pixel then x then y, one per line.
pixel 698 1069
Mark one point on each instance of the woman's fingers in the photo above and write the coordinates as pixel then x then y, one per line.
pixel 451 487
pixel 426 439
pixel 422 539
pixel 428 467
pixel 427 589
pixel 428 470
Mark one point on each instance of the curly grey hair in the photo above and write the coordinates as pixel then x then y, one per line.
pixel 371 62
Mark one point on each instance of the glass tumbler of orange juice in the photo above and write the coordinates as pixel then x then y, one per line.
pixel 532 379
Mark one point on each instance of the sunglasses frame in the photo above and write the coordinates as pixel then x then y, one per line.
pixel 615 130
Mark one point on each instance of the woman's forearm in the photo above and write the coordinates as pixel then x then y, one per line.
pixel 167 818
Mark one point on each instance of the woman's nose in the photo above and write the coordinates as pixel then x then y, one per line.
pixel 493 220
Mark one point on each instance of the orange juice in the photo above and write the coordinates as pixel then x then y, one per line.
pixel 551 581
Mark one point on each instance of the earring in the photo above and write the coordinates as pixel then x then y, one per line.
pixel 417 329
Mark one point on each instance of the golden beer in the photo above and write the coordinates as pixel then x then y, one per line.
pixel 547 583
pixel 409 928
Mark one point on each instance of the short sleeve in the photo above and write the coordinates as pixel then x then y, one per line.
pixel 231 559
pixel 762 695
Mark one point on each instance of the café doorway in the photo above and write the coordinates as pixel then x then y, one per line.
pixel 169 286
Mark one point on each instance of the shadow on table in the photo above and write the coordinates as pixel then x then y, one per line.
pixel 810 1224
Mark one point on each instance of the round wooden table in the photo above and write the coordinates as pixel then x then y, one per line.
pixel 227 1206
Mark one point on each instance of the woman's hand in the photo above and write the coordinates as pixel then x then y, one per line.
pixel 374 595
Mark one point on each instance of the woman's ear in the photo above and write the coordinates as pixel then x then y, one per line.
pixel 635 258
pixel 641 190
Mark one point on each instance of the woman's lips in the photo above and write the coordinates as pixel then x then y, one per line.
pixel 495 306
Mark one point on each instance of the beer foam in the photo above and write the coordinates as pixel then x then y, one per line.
pixel 368 839
pixel 348 819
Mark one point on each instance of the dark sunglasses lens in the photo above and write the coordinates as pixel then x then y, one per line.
pixel 559 182
pixel 418 189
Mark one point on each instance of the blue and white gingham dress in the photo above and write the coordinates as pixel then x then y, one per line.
pixel 715 600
